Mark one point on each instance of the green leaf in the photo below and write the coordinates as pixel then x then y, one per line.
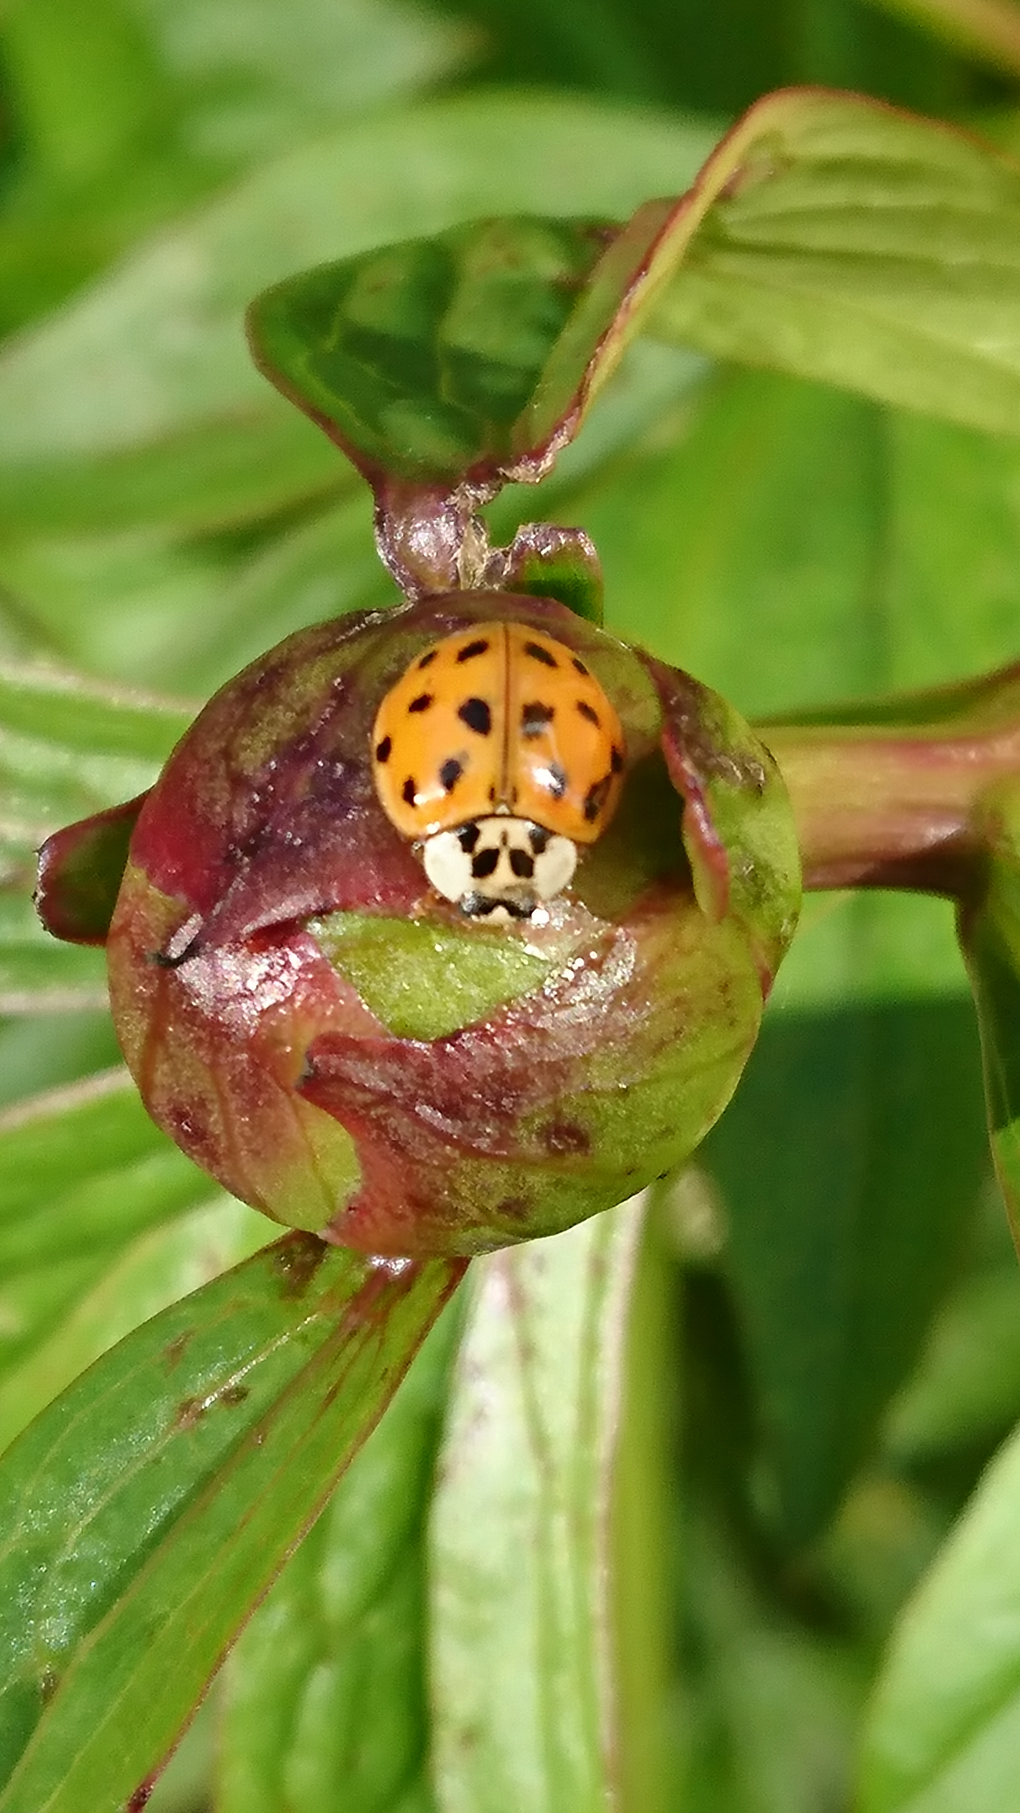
pixel 771 1702
pixel 965 1394
pixel 326 1691
pixel 83 1174
pixel 37 975
pixel 944 1724
pixel 68 748
pixel 849 1162
pixel 154 349
pixel 420 359
pixel 841 240
pixel 167 1248
pixel 151 1505
pixel 89 719
pixel 205 478
pixel 127 117
pixel 522 1670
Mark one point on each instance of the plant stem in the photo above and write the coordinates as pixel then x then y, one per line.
pixel 891 802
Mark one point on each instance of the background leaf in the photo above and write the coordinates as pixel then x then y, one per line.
pixel 849 1164
pixel 522 1673
pixel 943 1726
pixel 154 1537
pixel 326 1690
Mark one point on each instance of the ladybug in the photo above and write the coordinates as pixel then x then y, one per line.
pixel 500 752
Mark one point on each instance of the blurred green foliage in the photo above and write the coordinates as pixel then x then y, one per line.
pixel 838 1294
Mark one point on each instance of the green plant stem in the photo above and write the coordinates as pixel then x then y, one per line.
pixel 892 808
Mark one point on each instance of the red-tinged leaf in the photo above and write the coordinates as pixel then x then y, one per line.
pixel 80 872
pixel 147 1510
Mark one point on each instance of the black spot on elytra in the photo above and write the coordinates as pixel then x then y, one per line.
pixel 556 780
pixel 484 864
pixel 492 796
pixel 616 764
pixel 384 750
pixel 422 702
pixel 587 711
pixel 450 773
pixel 467 837
pixel 538 839
pixel 522 864
pixel 476 715
pixel 595 798
pixel 538 653
pixel 427 659
pixel 579 665
pixel 409 790
pixel 479 647
pixel 535 716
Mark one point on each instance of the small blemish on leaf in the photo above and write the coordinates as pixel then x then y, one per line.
pixel 174 1349
pixel 234 1394
pixel 563 1137
pixel 513 1208
pixel 297 1262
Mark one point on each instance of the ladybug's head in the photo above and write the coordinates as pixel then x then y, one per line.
pixel 499 868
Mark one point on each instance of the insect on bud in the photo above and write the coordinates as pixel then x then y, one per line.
pixel 448 926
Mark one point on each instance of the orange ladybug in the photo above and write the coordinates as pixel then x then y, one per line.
pixel 500 751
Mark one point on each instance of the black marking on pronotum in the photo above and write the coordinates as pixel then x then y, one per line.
pixel 428 658
pixel 538 839
pixel 522 864
pixel 408 791
pixel 479 906
pixel 616 761
pixel 467 837
pixel 587 711
pixel 535 716
pixel 384 750
pixel 484 864
pixel 538 653
pixel 479 647
pixel 476 715
pixel 595 798
pixel 579 664
pixel 556 780
pixel 422 702
pixel 450 774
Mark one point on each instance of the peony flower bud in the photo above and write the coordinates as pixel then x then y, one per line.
pixel 346 1050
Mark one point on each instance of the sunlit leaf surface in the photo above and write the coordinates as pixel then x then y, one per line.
pixel 522 1672
pixel 212 1436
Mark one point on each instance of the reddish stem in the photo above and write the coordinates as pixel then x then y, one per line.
pixel 891 804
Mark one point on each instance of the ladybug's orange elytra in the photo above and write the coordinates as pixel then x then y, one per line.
pixel 499 748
